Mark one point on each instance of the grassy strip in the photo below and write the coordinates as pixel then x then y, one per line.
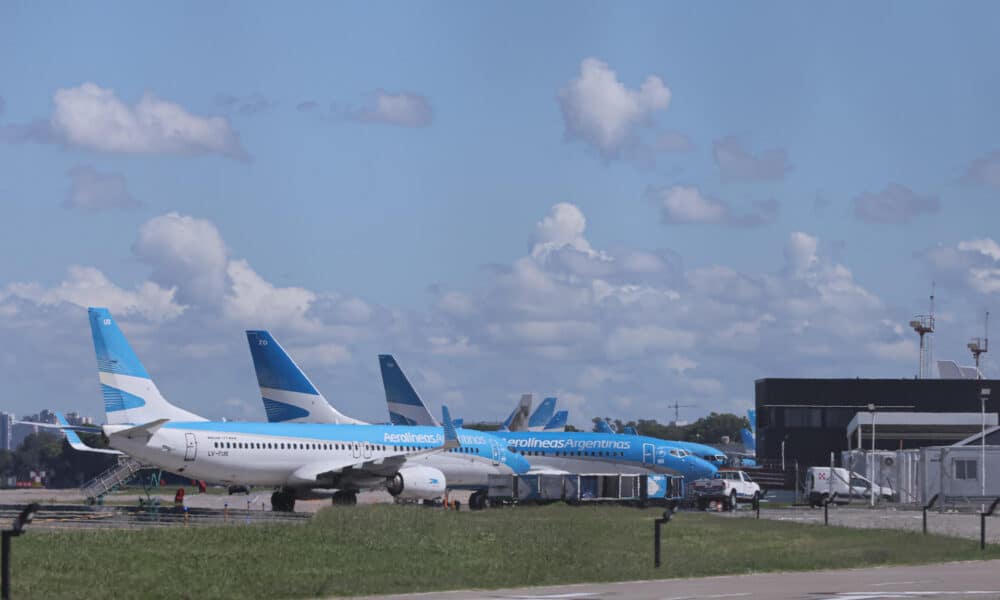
pixel 393 549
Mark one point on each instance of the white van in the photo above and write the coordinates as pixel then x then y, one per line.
pixel 824 482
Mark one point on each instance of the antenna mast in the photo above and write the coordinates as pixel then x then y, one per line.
pixel 923 325
pixel 979 346
pixel 677 411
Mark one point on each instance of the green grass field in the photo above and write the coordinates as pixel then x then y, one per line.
pixel 392 549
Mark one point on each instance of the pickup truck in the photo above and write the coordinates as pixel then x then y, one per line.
pixel 728 486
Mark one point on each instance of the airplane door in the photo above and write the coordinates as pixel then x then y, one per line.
pixel 648 454
pixel 495 451
pixel 356 449
pixel 190 447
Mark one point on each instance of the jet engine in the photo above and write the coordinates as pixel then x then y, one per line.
pixel 417 482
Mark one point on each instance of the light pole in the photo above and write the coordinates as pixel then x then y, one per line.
pixel 984 393
pixel 871 473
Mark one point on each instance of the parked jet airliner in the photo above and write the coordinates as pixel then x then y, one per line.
pixel 288 395
pixel 298 459
pixel 579 452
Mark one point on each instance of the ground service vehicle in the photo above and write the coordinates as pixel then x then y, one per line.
pixel 728 486
pixel 840 485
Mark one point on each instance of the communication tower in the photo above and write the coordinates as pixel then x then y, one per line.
pixel 924 325
pixel 979 346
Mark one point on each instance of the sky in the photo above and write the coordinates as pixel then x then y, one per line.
pixel 628 206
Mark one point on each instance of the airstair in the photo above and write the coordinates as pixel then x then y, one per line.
pixel 110 479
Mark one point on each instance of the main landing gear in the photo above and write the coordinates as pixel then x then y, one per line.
pixel 283 501
pixel 478 500
pixel 345 498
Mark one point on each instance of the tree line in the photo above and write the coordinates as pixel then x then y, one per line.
pixel 51 454
pixel 706 430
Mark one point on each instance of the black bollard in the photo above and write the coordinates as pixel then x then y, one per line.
pixel 982 523
pixel 826 512
pixel 926 508
pixel 656 535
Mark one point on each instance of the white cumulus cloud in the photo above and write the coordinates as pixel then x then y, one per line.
pixel 187 253
pixel 93 117
pixel 404 108
pixel 600 110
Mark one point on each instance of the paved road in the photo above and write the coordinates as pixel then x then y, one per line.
pixel 965 580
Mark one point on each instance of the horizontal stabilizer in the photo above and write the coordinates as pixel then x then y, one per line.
pixel 140 432
pixel 76 443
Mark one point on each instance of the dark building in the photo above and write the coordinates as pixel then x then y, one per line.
pixel 811 415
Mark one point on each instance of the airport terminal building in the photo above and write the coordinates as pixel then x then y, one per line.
pixel 804 420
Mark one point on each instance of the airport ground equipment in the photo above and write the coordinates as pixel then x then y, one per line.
pixel 841 485
pixel 17 528
pixel 110 479
pixel 728 486
pixel 576 488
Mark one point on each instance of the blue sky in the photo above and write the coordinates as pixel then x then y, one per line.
pixel 624 205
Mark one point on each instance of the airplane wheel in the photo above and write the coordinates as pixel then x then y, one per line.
pixel 283 501
pixel 477 501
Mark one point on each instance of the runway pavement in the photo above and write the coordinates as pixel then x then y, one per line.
pixel 965 580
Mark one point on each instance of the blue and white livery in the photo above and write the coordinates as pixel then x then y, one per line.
pixel 576 452
pixel 542 415
pixel 279 376
pixel 404 405
pixel 558 421
pixel 300 459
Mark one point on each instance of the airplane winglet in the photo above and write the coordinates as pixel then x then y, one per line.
pixel 450 434
pixel 74 440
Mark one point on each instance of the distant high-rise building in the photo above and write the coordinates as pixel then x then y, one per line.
pixel 20 431
pixel 6 431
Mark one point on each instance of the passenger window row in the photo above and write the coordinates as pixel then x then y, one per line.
pixel 570 453
pixel 310 446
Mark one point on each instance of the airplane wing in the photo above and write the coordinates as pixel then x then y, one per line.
pixel 325 471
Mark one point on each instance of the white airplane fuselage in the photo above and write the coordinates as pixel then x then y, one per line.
pixel 271 454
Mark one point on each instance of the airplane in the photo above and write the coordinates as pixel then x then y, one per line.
pixel 582 452
pixel 603 426
pixel 301 460
pixel 542 415
pixel 629 430
pixel 279 377
pixel 558 421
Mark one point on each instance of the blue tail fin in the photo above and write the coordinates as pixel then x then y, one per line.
pixel 629 430
pixel 752 414
pixel 749 443
pixel 603 426
pixel 130 396
pixel 405 406
pixel 287 393
pixel 542 415
pixel 558 421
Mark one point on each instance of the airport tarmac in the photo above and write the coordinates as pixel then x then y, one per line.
pixel 964 525
pixel 259 499
pixel 966 580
